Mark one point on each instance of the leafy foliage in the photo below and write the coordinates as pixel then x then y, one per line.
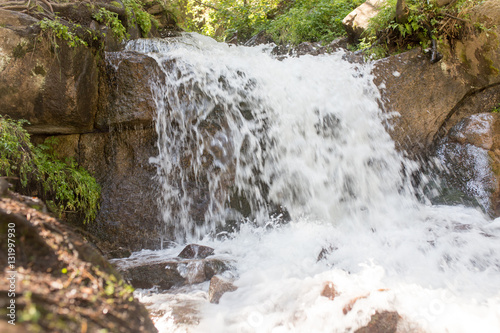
pixel 496 109
pixel 111 20
pixel 287 21
pixel 316 20
pixel 64 186
pixel 425 21
pixel 137 14
pixel 55 29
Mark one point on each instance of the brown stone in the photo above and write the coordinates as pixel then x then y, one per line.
pixel 329 291
pixel 148 272
pixel 55 90
pixel 126 97
pixel 381 322
pixel 218 287
pixel 64 278
pixel 194 251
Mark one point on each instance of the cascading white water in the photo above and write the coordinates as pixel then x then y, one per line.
pixel 306 134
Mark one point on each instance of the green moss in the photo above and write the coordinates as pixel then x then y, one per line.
pixel 19 51
pixel 464 59
pixel 116 4
pixel 39 70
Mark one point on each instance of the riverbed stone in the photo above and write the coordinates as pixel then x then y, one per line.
pixel 329 291
pixel 194 251
pixel 147 272
pixel 218 287
pixel 381 322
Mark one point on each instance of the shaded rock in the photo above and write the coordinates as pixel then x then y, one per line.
pixel 62 281
pixel 471 156
pixel 195 251
pixel 311 48
pixel 4 187
pixel 261 38
pixel 381 322
pixel 129 215
pixel 356 22
pixel 164 275
pixel 329 291
pixel 62 87
pixel 167 273
pixel 218 287
pixel 120 252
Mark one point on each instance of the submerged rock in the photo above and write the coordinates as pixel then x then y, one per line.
pixel 194 251
pixel 381 322
pixel 167 273
pixel 329 291
pixel 218 287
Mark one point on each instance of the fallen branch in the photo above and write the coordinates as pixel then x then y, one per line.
pixel 456 18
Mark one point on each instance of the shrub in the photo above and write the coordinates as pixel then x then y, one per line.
pixel 425 22
pixel 63 185
pixel 111 19
pixel 55 29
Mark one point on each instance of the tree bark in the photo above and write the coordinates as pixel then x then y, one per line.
pixel 402 11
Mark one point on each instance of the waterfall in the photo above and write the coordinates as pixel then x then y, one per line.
pixel 247 141
pixel 238 128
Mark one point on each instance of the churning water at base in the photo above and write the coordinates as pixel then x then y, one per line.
pixel 243 136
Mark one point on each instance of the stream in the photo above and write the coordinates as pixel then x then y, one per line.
pixel 272 162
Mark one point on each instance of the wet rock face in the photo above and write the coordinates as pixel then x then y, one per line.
pixel 128 215
pixel 126 97
pixel 470 153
